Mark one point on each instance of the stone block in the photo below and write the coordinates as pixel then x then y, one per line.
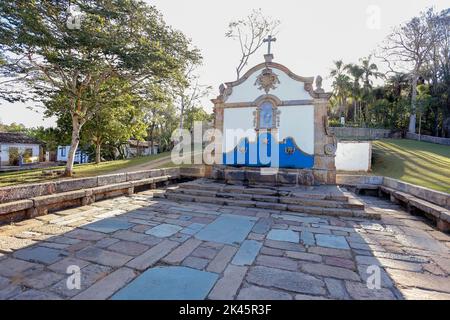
pixel 235 175
pixel 15 206
pixel 103 257
pixel 260 293
pixel 58 198
pixel 138 175
pixel 256 177
pixel 227 287
pixel 306 178
pixel 40 254
pixel 153 255
pixel 330 271
pixel 111 179
pixel 168 283
pixel 12 193
pixel 173 172
pixel 287 178
pixel 247 253
pixel 75 184
pixel 221 260
pixel 107 286
pixel 285 280
pixel 195 262
pixel 180 253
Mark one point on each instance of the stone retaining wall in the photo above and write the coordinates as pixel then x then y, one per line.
pixel 26 191
pixel 346 133
pixel 437 140
pixel 30 200
pixel 433 204
pixel 439 198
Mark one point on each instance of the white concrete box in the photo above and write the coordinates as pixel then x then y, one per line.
pixel 354 156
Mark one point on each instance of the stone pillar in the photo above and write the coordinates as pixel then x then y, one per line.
pixel 325 144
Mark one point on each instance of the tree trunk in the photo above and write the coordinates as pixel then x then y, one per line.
pixel 436 123
pixel 182 116
pixel 98 146
pixel 76 127
pixel 412 117
pixel 152 143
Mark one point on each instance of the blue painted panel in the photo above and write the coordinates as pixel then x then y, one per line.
pixel 259 154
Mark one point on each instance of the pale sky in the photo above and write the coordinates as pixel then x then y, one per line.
pixel 312 34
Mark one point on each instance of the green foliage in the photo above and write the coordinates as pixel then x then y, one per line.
pixel 13 127
pixel 76 68
pixel 391 104
pixel 196 114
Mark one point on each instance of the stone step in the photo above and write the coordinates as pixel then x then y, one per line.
pixel 272 199
pixel 346 212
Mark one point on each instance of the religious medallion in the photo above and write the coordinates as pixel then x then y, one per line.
pixel 267 80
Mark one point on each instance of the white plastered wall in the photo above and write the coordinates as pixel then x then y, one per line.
pixel 237 124
pixel 354 156
pixel 298 122
pixel 287 89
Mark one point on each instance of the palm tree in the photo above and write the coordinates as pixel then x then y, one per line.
pixel 356 73
pixel 341 90
pixel 339 69
pixel 341 86
pixel 369 71
pixel 396 84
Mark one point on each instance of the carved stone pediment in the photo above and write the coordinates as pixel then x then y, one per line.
pixel 225 92
pixel 267 80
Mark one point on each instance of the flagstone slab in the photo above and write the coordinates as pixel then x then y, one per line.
pixel 247 253
pixel 228 229
pixel 331 241
pixel 169 283
pixel 193 228
pixel 308 238
pixel 40 254
pixel 108 225
pixel 163 230
pixel 283 235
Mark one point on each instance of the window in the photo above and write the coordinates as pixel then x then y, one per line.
pixel 266 115
pixel 63 152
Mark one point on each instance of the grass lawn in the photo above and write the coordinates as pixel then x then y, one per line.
pixel 421 163
pixel 81 170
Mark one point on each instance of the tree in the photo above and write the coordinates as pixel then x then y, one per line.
pixel 115 39
pixel 196 114
pixel 370 70
pixel 52 137
pixel 189 93
pixel 341 86
pixel 356 73
pixel 13 127
pixel 115 123
pixel 155 103
pixel 407 48
pixel 250 32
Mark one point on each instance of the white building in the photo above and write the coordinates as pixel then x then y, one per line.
pixel 18 147
pixel 63 153
pixel 136 148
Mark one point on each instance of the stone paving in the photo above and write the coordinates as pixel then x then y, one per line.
pixel 139 247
